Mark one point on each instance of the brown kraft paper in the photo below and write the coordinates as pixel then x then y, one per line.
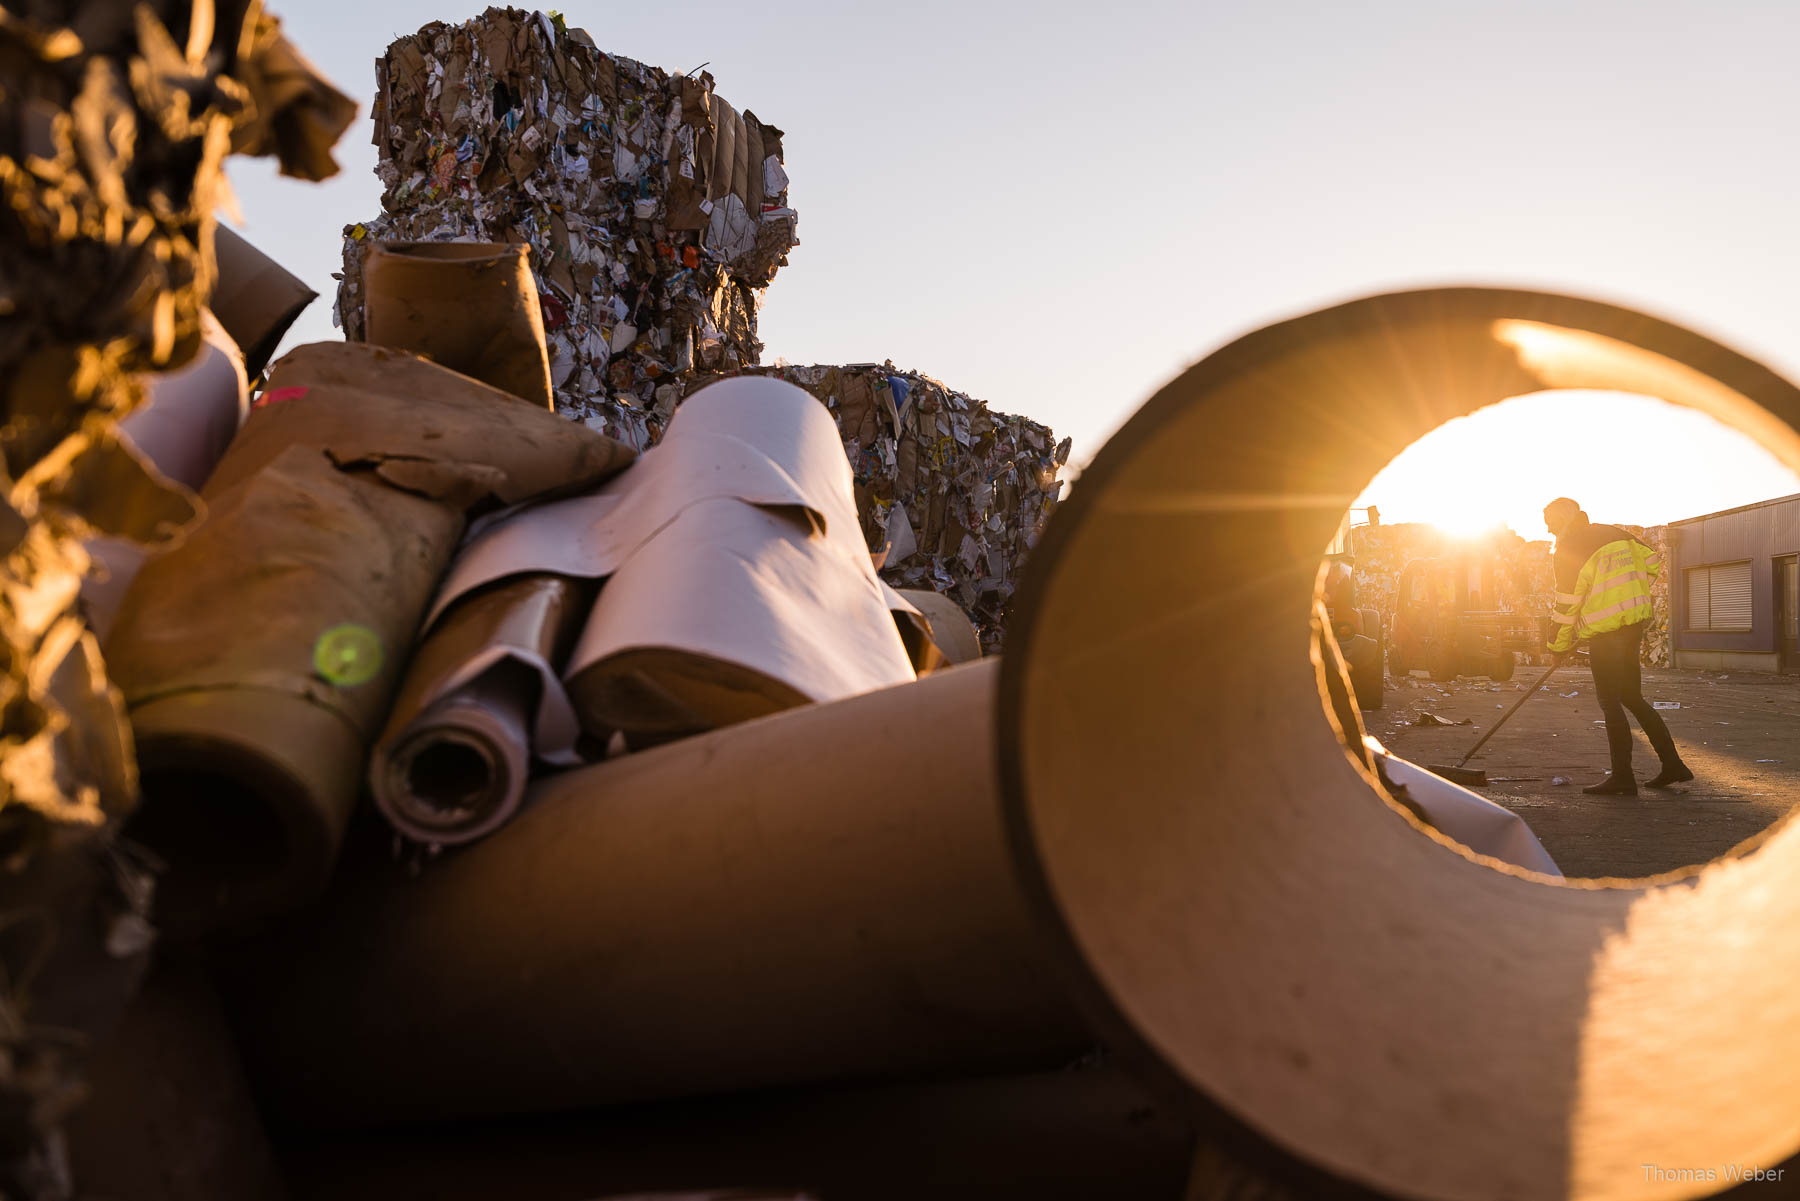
pixel 258 659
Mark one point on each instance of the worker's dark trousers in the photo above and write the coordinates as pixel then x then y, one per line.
pixel 1618 682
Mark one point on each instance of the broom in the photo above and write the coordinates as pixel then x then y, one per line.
pixel 1475 777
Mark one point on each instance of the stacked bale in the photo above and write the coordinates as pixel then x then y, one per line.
pixel 1524 575
pixel 655 211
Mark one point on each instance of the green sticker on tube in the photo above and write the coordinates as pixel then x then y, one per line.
pixel 348 655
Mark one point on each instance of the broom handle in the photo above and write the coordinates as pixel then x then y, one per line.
pixel 1494 729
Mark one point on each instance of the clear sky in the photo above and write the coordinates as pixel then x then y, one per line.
pixel 1058 206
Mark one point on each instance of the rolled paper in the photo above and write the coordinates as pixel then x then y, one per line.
pixel 183 425
pixel 471 306
pixel 481 694
pixel 258 659
pixel 728 613
pixel 457 771
pixel 188 417
pixel 750 439
pixel 1470 818
pixel 256 298
pixel 738 579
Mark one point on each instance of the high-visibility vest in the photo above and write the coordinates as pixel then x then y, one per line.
pixel 1612 592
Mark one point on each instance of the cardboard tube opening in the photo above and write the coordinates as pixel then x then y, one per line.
pixel 473 307
pixel 450 778
pixel 216 822
pixel 1359 1008
pixel 220 830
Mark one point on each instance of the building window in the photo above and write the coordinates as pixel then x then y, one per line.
pixel 1718 598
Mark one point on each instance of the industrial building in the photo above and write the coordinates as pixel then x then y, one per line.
pixel 1735 587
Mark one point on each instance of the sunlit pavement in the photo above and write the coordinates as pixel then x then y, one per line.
pixel 1738 731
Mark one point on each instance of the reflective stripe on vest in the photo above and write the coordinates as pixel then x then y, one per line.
pixel 1628 575
pixel 1613 591
pixel 1593 619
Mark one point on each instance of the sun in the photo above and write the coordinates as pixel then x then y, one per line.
pixel 1624 458
pixel 1465 516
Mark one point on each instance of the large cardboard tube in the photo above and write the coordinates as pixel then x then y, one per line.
pixel 170 1116
pixel 818 895
pixel 1350 994
pixel 256 298
pixel 259 657
pixel 1069 1135
pixel 471 306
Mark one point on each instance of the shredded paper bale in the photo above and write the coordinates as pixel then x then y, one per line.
pixel 655 211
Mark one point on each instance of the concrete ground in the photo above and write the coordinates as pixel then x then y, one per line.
pixel 1738 731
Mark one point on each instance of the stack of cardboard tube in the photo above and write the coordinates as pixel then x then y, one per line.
pixel 1130 829
pixel 259 658
pixel 721 578
pixel 722 837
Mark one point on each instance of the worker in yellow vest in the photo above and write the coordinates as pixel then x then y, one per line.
pixel 1603 577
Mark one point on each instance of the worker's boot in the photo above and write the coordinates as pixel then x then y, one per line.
pixel 1672 773
pixel 1617 784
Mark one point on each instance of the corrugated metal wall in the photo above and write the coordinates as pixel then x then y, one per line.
pixel 1758 535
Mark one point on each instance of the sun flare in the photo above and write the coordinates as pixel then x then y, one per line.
pixel 1627 459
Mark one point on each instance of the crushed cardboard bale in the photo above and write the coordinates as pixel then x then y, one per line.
pixel 656 212
pixel 1525 582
